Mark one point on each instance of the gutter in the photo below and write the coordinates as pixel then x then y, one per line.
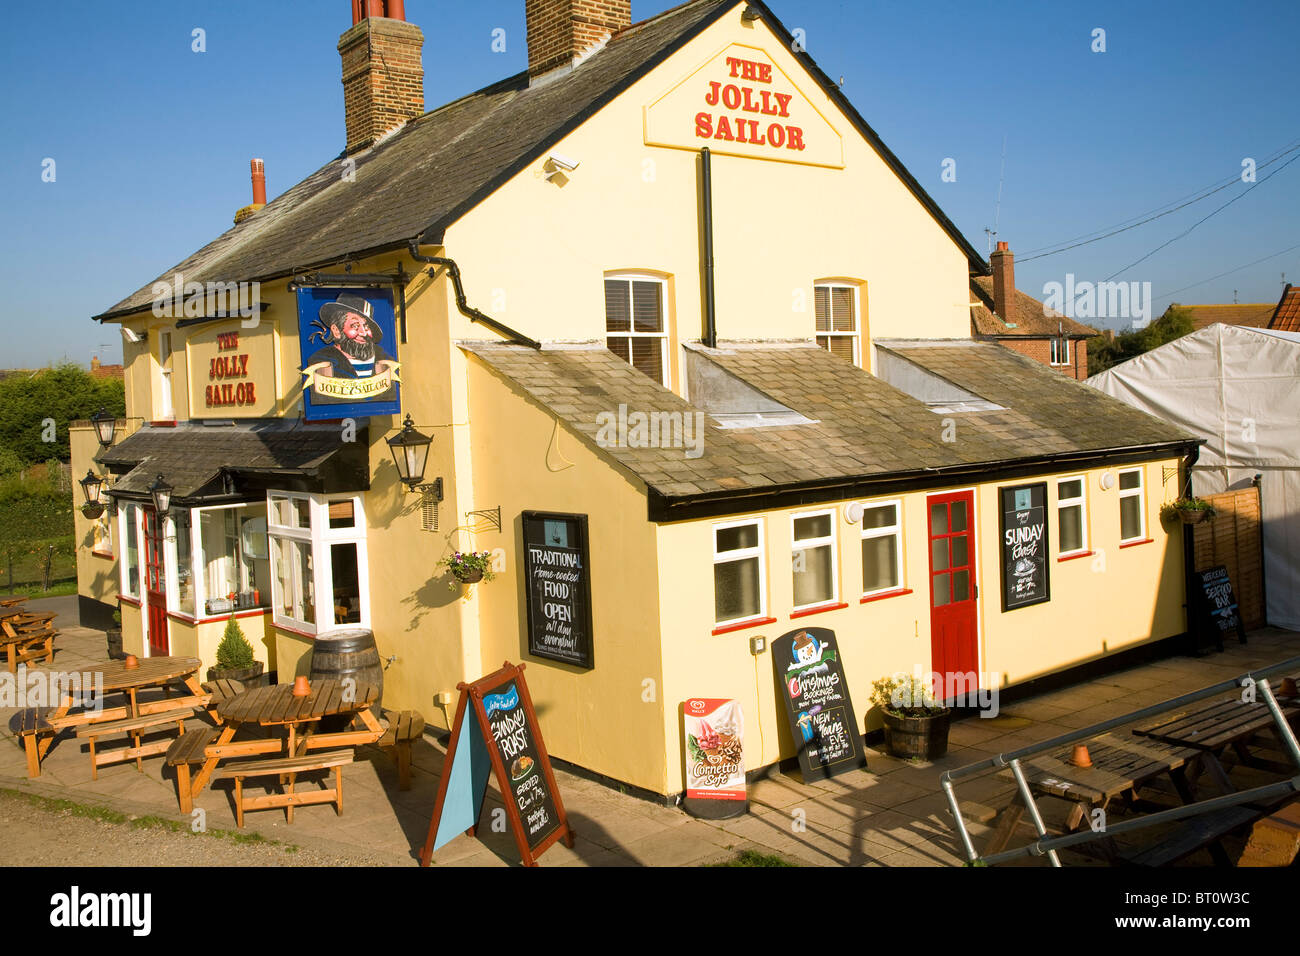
pixel 473 314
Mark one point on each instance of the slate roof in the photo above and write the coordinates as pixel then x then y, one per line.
pixel 192 456
pixel 1251 315
pixel 863 427
pixel 1029 316
pixel 428 174
pixel 1286 317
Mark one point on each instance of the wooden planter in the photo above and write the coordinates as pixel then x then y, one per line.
pixel 923 737
pixel 115 652
pixel 248 676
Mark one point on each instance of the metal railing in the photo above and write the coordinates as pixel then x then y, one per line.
pixel 1047 845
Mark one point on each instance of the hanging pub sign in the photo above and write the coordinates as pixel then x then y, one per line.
pixel 1214 606
pixel 558 582
pixel 500 738
pixel 1024 545
pixel 817 703
pixel 348 353
pixel 715 758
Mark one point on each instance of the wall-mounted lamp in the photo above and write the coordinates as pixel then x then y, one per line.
pixel 91 486
pixel 161 492
pixel 410 450
pixel 105 425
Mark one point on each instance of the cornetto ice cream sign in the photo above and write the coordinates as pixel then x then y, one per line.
pixel 742 104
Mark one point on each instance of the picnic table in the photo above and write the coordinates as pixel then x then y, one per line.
pixel 10 600
pixel 41 729
pixel 1215 726
pixel 1120 768
pixel 276 707
pixel 26 637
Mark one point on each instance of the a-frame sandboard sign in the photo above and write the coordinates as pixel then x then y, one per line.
pixel 500 737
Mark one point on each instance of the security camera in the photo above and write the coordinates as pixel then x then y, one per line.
pixel 563 162
pixel 133 336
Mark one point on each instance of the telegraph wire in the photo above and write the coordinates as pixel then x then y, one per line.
pixel 1231 271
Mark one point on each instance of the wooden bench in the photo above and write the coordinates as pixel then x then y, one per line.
pixel 290 766
pixel 26 644
pixel 188 748
pixel 1275 839
pixel 135 727
pixel 1194 834
pixel 30 725
pixel 402 731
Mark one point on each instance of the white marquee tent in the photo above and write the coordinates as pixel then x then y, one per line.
pixel 1240 389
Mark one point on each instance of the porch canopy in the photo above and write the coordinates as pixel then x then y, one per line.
pixel 207 463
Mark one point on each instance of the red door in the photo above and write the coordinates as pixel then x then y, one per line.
pixel 953 629
pixel 155 584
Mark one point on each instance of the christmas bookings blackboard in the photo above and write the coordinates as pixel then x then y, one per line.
pixel 558 583
pixel 817 704
pixel 1216 606
pixel 1024 546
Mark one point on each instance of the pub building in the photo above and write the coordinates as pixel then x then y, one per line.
pixel 691 350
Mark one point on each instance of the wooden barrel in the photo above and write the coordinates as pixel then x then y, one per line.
pixel 349 653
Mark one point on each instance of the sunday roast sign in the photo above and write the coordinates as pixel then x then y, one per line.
pixel 347 340
pixel 741 103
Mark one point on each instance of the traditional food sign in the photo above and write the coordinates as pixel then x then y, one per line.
pixel 231 371
pixel 1024 546
pixel 1215 606
pixel 715 757
pixel 500 738
pixel 817 703
pixel 741 103
pixel 557 579
pixel 348 347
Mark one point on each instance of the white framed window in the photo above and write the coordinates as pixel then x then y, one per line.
pixel 166 411
pixel 318 570
pixel 636 329
pixel 882 547
pixel 1060 351
pixel 1132 506
pixel 1072 514
pixel 813 559
pixel 739 583
pixel 128 530
pixel 837 312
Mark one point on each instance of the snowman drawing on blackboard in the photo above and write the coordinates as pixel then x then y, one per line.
pixel 806 649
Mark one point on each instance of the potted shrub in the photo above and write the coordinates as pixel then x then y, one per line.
pixel 114 634
pixel 1187 510
pixel 916 725
pixel 235 659
pixel 469 567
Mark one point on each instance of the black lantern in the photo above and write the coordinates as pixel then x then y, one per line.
pixel 105 425
pixel 410 453
pixel 91 486
pixel 162 496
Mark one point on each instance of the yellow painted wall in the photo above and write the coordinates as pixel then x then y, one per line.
pixel 1140 589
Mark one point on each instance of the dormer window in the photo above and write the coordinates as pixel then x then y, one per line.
pixel 635 329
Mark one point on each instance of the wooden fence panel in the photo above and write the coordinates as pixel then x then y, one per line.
pixel 1232 538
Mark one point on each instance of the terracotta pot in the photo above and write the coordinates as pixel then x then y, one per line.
pixel 1081 757
pixel 131 662
pixel 301 688
pixel 1287 688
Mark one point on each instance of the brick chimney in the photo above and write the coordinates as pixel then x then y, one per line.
pixel 1003 261
pixel 383 78
pixel 561 32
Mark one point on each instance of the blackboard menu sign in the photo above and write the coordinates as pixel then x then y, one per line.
pixel 501 738
pixel 1215 606
pixel 1024 546
pixel 557 579
pixel 817 704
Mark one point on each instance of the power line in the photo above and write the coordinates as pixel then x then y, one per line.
pixel 1239 195
pixel 1230 271
pixel 1152 215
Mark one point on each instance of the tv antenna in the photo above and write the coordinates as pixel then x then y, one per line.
pixel 997 207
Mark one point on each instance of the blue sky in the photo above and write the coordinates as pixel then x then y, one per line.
pixel 151 140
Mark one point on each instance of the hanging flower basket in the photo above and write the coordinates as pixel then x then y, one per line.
pixel 1187 510
pixel 469 567
pixel 92 510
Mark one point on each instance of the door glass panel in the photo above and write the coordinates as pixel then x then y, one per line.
pixel 939 554
pixel 938 518
pixel 942 590
pixel 959 516
pixel 961 586
pixel 960 548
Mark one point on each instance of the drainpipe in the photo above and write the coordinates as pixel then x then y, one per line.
pixel 706 188
pixel 1189 550
pixel 473 314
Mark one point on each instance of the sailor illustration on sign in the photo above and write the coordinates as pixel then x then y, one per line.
pixel 351 365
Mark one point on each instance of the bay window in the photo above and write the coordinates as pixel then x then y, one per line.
pixel 129 533
pixel 318 566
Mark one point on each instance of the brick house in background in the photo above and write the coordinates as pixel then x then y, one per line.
pixel 1246 315
pixel 1286 317
pixel 1001 313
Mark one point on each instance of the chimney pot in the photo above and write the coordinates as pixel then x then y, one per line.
pixel 259 181
pixel 1003 262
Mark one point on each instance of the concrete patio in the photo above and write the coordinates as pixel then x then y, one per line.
pixel 891 814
